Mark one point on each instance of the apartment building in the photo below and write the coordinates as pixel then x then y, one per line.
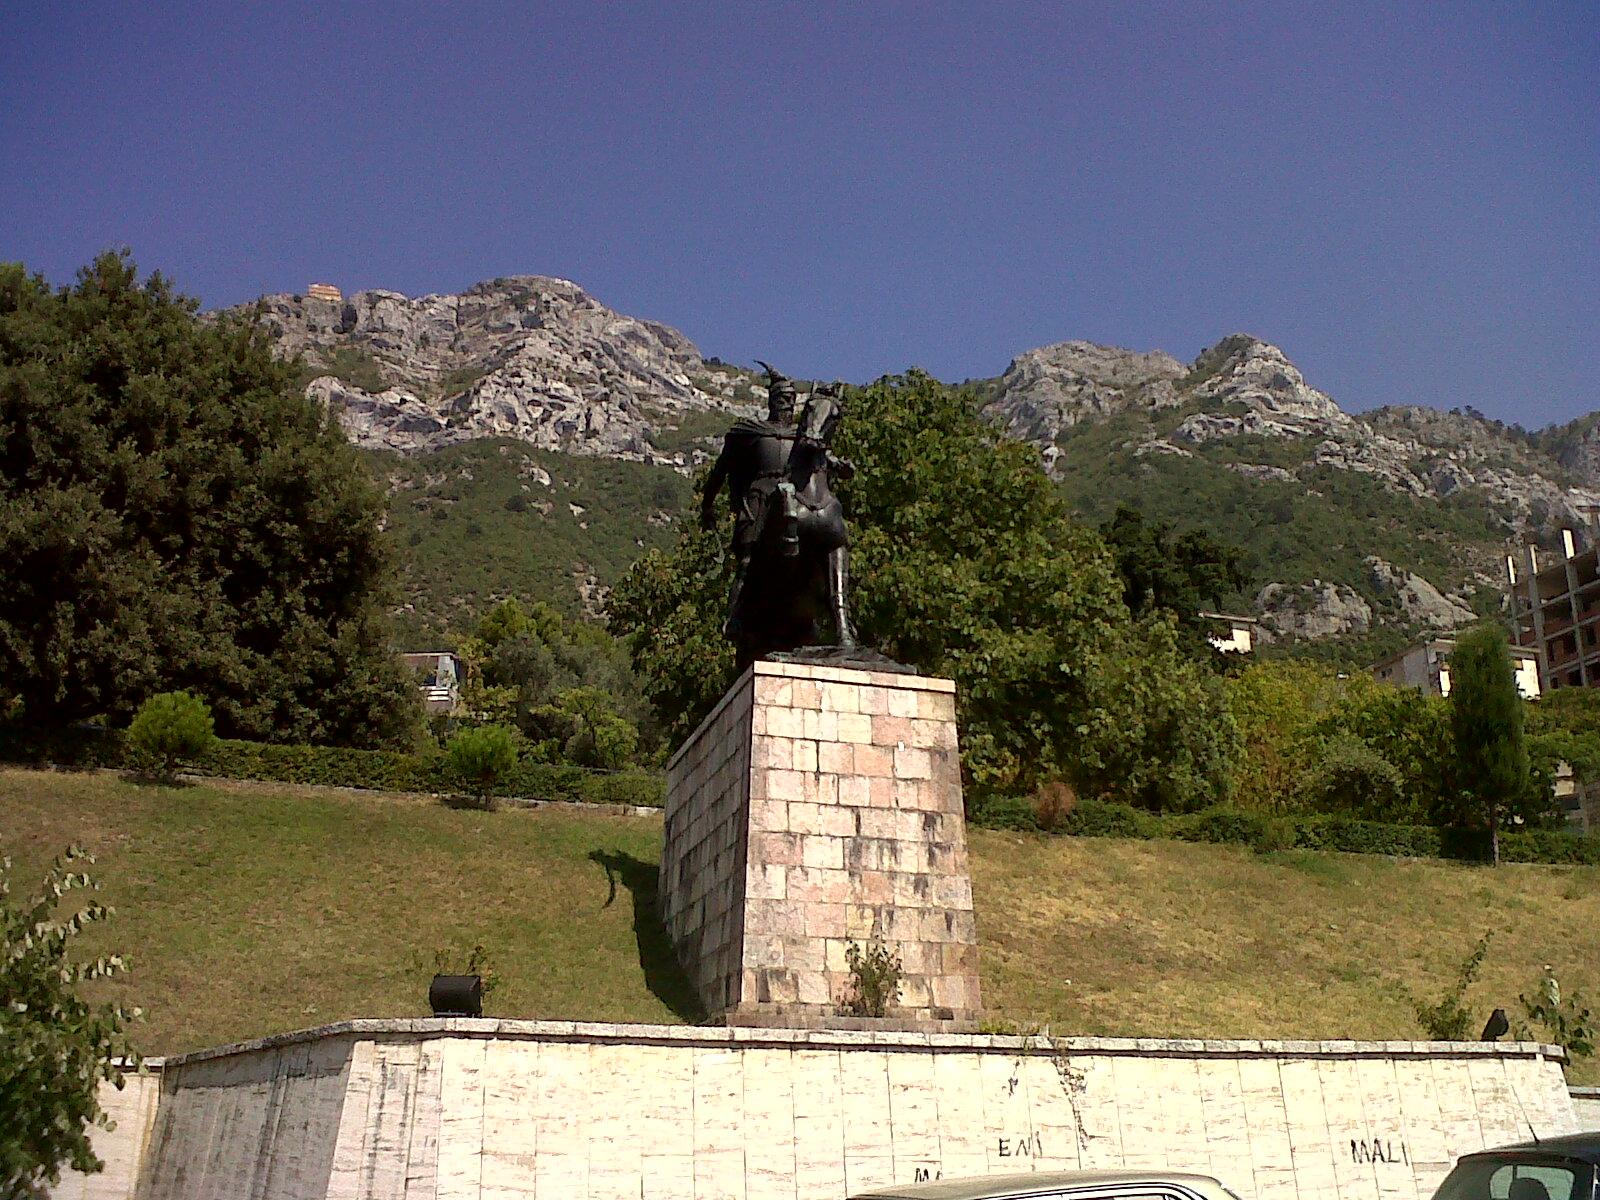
pixel 1554 606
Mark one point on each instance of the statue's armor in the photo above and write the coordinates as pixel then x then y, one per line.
pixel 757 453
pixel 788 529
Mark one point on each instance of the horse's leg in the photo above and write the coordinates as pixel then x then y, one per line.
pixel 839 594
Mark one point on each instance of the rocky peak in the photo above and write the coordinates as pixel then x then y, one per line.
pixel 1048 390
pixel 524 356
pixel 1248 386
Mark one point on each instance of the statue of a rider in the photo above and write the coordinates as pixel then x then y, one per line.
pixel 781 501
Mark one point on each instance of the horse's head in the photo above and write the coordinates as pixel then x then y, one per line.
pixel 821 415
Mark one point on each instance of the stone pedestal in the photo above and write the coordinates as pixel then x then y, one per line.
pixel 815 807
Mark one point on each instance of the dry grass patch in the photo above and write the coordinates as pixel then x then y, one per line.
pixel 1136 938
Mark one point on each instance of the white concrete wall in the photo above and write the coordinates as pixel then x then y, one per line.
pixel 1586 1106
pixel 264 1121
pixel 469 1110
pixel 133 1108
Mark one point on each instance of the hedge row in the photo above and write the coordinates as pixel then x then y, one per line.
pixel 1098 818
pixel 381 770
pixel 388 770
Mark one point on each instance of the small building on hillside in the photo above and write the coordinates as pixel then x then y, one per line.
pixel 1427 666
pixel 1229 633
pixel 325 291
pixel 439 675
pixel 1579 801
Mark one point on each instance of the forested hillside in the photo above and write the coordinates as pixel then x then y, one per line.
pixel 487 520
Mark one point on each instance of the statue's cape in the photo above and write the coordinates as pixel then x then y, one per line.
pixel 753 427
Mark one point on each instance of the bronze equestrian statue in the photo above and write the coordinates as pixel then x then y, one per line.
pixel 790 545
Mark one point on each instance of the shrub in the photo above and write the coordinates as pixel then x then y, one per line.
pixel 875 976
pixel 1368 837
pixel 1014 813
pixel 1549 846
pixel 1353 778
pixel 66 746
pixel 479 760
pixel 55 1049
pixel 1449 1019
pixel 1565 1020
pixel 171 729
pixel 1219 825
pixel 637 788
pixel 1053 804
pixel 1104 818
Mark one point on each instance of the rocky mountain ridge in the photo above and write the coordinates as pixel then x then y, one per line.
pixel 1244 388
pixel 528 357
pixel 538 360
pixel 1243 407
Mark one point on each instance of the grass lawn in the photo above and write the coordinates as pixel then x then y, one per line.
pixel 253 909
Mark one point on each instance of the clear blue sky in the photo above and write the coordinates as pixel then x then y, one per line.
pixel 1406 198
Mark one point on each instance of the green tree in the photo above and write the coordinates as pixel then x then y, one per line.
pixel 1158 732
pixel 175 514
pixel 596 735
pixel 1278 705
pixel 1486 714
pixel 170 729
pixel 1564 726
pixel 1406 729
pixel 55 1048
pixel 480 759
pixel 567 686
pixel 1179 573
pixel 965 563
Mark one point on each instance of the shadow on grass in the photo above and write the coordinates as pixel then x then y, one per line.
pixel 663 975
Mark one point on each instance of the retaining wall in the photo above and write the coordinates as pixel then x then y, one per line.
pixel 467 1110
pixel 133 1108
pixel 1586 1106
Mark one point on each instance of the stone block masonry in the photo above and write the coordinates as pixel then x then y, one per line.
pixel 817 807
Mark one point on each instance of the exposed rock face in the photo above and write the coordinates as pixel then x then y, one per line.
pixel 525 357
pixel 1313 610
pixel 539 360
pixel 1244 387
pixel 1244 407
pixel 1053 388
pixel 1418 600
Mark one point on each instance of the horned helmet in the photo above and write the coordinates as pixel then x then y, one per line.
pixel 781 394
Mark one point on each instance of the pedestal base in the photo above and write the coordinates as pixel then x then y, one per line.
pixel 814 808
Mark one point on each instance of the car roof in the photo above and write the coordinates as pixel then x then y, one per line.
pixel 999 1187
pixel 1583 1146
